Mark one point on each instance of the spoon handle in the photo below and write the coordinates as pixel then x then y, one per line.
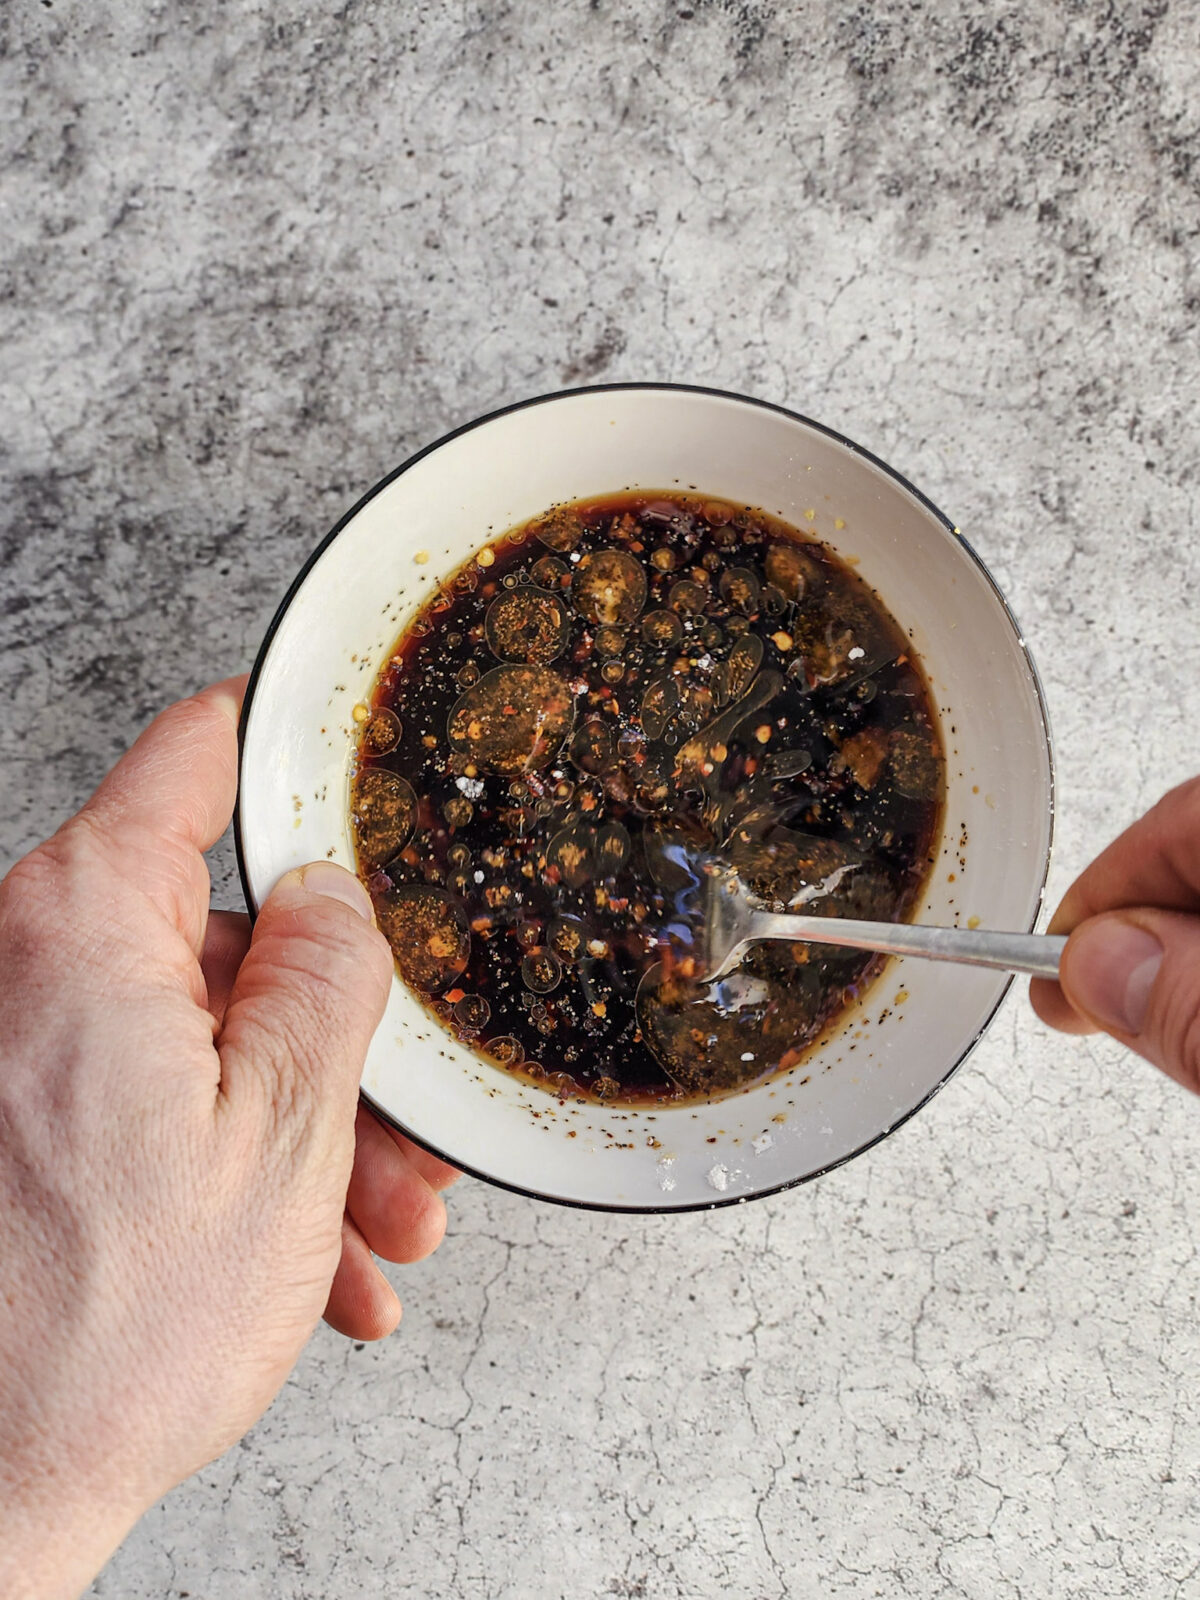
pixel 1035 953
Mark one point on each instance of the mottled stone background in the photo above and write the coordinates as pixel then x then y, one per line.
pixel 250 256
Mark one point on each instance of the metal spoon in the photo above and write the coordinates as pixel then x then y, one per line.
pixel 734 919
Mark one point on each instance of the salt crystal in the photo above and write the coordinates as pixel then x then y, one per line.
pixel 857 653
pixel 763 1142
pixel 666 1178
pixel 471 787
pixel 718 1178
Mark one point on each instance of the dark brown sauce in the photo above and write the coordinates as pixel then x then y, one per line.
pixel 579 714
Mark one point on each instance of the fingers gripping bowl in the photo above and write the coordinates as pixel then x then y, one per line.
pixel 901 1039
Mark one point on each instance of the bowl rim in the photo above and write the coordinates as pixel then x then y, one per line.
pixel 847 443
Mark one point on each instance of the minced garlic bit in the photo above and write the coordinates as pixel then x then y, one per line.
pixel 839 522
pixel 901 997
pixel 361 712
pixel 781 640
pixel 421 557
pixel 486 556
pixel 972 922
pixel 762 734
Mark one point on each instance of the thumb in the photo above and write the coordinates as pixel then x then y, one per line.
pixel 307 997
pixel 1136 974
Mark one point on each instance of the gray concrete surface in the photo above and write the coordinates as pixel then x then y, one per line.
pixel 251 256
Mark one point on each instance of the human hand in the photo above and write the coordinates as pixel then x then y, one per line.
pixel 1131 966
pixel 179 1191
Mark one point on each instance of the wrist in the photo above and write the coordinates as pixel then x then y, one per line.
pixel 58 1530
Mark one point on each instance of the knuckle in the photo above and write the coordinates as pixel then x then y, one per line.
pixel 287 1056
pixel 412 1234
pixel 333 945
pixel 28 932
pixel 38 893
pixel 48 906
pixel 168 867
pixel 191 734
pixel 325 981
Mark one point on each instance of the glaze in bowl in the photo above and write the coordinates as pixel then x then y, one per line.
pixel 905 1036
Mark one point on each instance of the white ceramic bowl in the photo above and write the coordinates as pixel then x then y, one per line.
pixel 914 1026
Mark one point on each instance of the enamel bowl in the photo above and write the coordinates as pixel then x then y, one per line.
pixel 906 1035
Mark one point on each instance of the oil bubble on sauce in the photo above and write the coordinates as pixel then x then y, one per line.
pixel 384 813
pixel 527 624
pixel 609 587
pixel 428 933
pixel 513 719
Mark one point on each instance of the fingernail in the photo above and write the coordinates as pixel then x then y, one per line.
pixel 1111 971
pixel 229 705
pixel 335 883
pixel 227 696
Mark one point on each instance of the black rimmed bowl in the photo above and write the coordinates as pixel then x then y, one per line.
pixel 901 1041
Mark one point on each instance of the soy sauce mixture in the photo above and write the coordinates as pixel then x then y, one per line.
pixel 581 716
